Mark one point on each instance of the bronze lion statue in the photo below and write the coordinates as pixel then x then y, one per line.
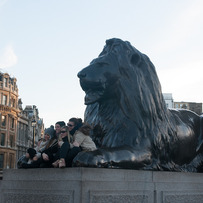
pixel 132 127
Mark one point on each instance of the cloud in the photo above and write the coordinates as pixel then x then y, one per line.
pixel 8 58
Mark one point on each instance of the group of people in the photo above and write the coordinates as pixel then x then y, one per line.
pixel 59 146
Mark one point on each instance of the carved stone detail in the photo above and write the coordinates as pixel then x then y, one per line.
pixel 182 197
pixel 120 196
pixel 23 196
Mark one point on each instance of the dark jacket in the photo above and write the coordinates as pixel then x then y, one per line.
pixel 50 150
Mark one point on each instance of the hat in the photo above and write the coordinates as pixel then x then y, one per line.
pixel 31 152
pixel 61 123
pixel 50 131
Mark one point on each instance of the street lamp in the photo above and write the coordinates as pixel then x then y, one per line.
pixel 33 125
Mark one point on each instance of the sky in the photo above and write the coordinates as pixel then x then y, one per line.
pixel 45 43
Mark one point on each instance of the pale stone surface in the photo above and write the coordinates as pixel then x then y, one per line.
pixel 99 185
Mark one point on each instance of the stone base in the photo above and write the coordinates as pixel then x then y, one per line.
pixel 99 185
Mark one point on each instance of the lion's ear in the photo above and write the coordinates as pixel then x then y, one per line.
pixel 135 59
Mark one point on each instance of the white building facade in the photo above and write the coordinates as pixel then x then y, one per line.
pixel 168 100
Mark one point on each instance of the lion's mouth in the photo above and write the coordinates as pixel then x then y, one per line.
pixel 94 91
pixel 92 96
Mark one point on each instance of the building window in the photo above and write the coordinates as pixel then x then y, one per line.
pixel 4 101
pixel 5 82
pixel 3 120
pixel 2 139
pixel 13 103
pixel 12 123
pixel 12 141
pixel 184 106
pixel 1 161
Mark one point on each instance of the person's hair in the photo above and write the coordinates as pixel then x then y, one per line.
pixel 64 127
pixel 77 124
pixel 85 129
pixel 76 121
pixel 67 134
pixel 61 123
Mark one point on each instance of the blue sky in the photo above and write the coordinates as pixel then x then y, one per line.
pixel 45 43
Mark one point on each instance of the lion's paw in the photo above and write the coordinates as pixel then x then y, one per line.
pixel 88 159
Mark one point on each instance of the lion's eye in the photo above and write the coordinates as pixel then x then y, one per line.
pixel 101 64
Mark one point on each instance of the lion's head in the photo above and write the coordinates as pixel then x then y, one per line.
pixel 122 87
pixel 99 79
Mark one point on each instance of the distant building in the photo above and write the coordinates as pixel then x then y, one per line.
pixel 36 126
pixel 192 106
pixel 8 120
pixel 196 107
pixel 18 127
pixel 22 131
pixel 168 100
pixel 27 132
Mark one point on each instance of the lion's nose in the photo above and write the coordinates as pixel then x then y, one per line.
pixel 81 74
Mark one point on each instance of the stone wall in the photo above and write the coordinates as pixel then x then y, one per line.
pixel 98 185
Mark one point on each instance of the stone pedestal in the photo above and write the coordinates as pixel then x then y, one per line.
pixel 98 185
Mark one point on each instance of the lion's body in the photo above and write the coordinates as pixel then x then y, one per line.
pixel 132 126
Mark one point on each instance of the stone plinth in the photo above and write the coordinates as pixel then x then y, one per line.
pixel 98 185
